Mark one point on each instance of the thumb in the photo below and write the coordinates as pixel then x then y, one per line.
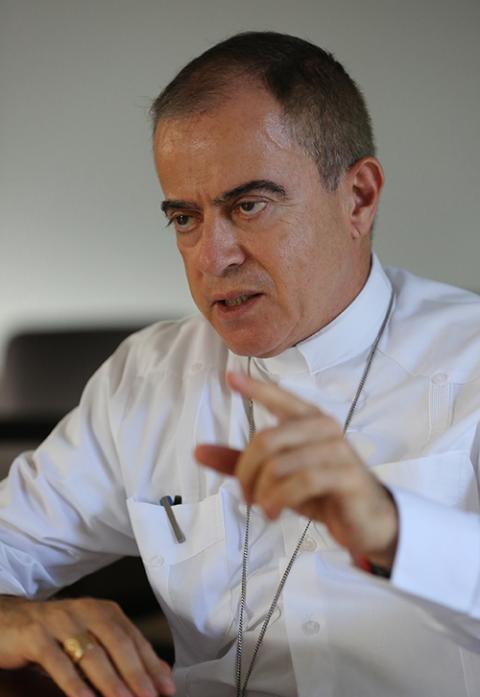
pixel 218 457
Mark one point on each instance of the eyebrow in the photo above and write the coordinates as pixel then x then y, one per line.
pixel 227 196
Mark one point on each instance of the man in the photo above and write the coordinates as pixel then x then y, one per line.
pixel 265 155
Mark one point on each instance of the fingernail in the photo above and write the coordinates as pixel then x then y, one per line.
pixel 236 379
pixel 148 691
pixel 168 682
pixel 269 510
pixel 247 496
pixel 123 692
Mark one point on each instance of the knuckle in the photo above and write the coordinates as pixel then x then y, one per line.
pixel 85 605
pixel 356 480
pixel 103 610
pixel 112 607
pixel 346 456
pixel 138 636
pixel 272 464
pixel 114 686
pixel 120 641
pixel 339 450
pixel 331 425
pixel 311 479
pixel 142 642
pixel 137 678
pixel 38 634
pixel 96 653
pixel 263 440
pixel 72 685
pixel 61 614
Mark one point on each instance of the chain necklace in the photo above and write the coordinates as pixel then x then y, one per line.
pixel 241 690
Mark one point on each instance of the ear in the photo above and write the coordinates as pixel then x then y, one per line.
pixel 363 183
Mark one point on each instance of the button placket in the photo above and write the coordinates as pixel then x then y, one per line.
pixel 304 603
pixel 439 378
pixel 439 404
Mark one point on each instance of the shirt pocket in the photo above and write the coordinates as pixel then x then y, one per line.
pixel 191 577
pixel 446 478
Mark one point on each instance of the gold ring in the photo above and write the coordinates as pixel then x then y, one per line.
pixel 76 646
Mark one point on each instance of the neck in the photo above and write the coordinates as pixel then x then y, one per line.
pixel 339 301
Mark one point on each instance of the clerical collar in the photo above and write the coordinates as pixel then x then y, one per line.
pixel 347 336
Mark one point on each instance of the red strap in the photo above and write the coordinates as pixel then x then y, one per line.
pixel 362 563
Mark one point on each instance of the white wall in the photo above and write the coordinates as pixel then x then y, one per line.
pixel 81 233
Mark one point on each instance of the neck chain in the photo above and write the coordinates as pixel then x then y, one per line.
pixel 241 690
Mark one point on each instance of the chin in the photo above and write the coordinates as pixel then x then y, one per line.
pixel 257 347
pixel 260 336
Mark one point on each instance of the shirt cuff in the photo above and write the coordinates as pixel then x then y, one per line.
pixel 438 553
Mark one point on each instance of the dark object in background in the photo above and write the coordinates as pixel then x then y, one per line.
pixel 28 681
pixel 42 379
pixel 45 371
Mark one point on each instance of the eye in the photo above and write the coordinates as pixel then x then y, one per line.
pixel 250 208
pixel 182 222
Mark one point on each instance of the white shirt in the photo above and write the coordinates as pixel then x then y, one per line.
pixel 91 492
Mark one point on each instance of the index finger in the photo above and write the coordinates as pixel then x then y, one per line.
pixel 278 401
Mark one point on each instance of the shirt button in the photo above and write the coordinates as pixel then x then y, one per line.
pixel 439 378
pixel 311 628
pixel 157 560
pixel 196 368
pixel 308 544
pixel 276 614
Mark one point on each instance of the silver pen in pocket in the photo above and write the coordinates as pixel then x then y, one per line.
pixel 167 502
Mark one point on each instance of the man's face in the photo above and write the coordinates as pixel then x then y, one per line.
pixel 268 252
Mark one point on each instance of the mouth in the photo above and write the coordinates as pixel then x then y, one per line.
pixel 239 300
pixel 234 303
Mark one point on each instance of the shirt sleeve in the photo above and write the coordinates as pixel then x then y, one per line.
pixel 62 507
pixel 437 565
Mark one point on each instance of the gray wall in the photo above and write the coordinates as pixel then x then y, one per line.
pixel 81 234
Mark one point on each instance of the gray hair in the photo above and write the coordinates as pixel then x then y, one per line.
pixel 323 107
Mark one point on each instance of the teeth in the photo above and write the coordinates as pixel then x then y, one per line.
pixel 236 301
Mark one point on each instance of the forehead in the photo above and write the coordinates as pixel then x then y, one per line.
pixel 244 137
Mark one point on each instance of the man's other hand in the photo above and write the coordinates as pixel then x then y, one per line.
pixel 118 662
pixel 306 464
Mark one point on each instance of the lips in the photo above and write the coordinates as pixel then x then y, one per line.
pixel 234 298
pixel 235 305
pixel 237 301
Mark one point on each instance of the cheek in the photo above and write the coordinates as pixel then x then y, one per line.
pixel 186 263
pixel 313 244
pixel 296 253
pixel 189 272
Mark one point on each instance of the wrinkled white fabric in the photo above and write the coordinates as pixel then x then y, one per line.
pixel 91 492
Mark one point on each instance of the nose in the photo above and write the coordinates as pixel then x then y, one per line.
pixel 218 248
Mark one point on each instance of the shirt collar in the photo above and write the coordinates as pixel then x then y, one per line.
pixel 347 336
